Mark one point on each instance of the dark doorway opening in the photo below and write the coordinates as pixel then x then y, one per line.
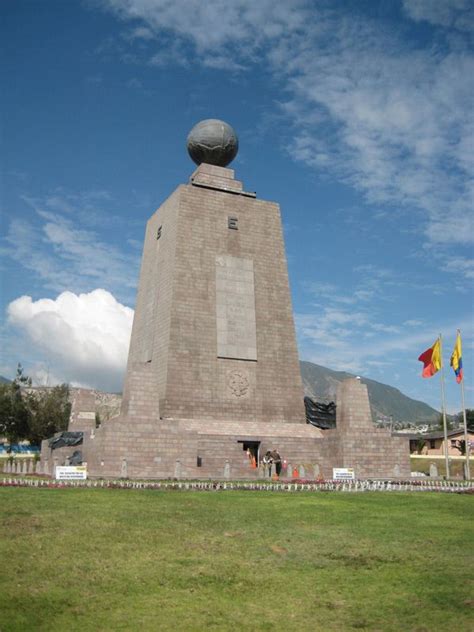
pixel 252 448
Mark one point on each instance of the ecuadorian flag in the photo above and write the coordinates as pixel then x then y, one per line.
pixel 456 359
pixel 431 359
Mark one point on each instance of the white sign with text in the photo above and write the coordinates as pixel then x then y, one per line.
pixel 343 473
pixel 71 473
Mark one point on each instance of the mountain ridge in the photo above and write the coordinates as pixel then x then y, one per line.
pixel 320 383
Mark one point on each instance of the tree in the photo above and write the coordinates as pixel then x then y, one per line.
pixel 420 444
pixel 14 412
pixel 449 423
pixel 32 414
pixel 49 412
pixel 469 418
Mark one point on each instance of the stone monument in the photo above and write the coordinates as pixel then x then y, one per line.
pixel 213 377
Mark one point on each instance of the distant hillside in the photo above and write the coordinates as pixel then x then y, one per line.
pixel 321 383
pixel 4 380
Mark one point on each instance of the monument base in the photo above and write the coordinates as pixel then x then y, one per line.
pixel 190 448
pixel 144 448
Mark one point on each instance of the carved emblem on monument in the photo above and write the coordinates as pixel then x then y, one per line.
pixel 238 383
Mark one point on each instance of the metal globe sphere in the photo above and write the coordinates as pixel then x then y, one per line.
pixel 214 142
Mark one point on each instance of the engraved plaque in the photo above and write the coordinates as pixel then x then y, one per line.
pixel 235 308
pixel 238 383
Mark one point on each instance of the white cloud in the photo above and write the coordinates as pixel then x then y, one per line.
pixel 363 344
pixel 84 337
pixel 366 105
pixel 370 282
pixel 214 25
pixel 328 292
pixel 458 14
pixel 339 336
pixel 141 33
pixel 343 331
pixel 413 322
pixel 460 265
pixel 396 123
pixel 455 229
pixel 59 247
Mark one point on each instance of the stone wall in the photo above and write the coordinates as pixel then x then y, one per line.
pixel 372 452
pixel 83 410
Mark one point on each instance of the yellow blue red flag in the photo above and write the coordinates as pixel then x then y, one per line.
pixel 456 359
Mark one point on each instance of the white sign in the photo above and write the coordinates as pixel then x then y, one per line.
pixel 71 473
pixel 343 473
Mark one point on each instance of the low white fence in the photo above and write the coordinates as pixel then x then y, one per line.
pixel 316 486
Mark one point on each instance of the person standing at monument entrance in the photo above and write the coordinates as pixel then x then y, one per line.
pixel 267 462
pixel 276 458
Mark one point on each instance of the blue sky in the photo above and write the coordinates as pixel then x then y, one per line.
pixel 355 116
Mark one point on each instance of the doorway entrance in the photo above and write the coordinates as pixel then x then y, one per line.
pixel 252 449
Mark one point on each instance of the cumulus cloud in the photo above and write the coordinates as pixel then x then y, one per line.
pixel 85 337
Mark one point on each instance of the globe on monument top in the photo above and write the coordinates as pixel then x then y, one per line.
pixel 214 142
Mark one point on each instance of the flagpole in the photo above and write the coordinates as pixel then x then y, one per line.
pixel 443 409
pixel 466 436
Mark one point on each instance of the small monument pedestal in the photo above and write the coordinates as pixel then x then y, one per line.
pixel 371 451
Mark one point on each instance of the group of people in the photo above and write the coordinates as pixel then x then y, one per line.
pixel 272 457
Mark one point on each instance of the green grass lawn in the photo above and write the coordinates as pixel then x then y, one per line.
pixel 77 559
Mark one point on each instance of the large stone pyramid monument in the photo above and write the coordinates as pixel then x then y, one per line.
pixel 213 376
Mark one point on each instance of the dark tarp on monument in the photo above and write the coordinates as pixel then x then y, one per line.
pixel 320 415
pixel 65 439
pixel 76 458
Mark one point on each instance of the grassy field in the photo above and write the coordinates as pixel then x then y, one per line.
pixel 156 560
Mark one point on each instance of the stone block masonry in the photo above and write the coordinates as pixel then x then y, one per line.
pixel 213 365
pixel 372 452
pixel 83 410
pixel 214 321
